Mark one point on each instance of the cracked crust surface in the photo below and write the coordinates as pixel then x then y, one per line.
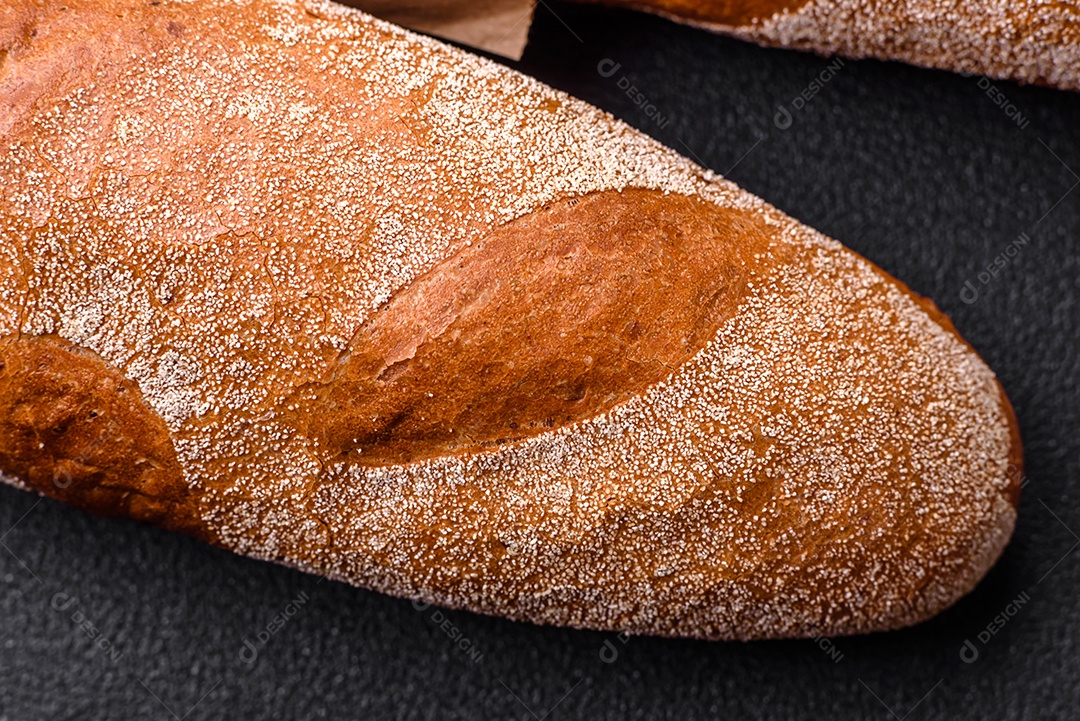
pixel 409 319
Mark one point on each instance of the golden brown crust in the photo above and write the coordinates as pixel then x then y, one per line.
pixel 726 12
pixel 73 428
pixel 1034 41
pixel 553 318
pixel 252 224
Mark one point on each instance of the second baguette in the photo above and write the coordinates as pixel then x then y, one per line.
pixel 1031 41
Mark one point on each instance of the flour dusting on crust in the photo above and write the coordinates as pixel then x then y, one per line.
pixel 217 213
pixel 1035 41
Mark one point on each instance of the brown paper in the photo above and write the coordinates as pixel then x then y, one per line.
pixel 498 26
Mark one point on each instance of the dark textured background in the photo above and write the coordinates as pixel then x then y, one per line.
pixel 920 171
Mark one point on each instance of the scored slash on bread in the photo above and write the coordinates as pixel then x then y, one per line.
pixel 324 292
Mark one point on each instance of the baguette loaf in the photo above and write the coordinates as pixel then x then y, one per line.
pixel 323 292
pixel 1031 41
